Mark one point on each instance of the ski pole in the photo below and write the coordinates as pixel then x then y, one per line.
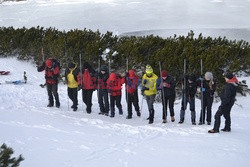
pixel 126 87
pixel 184 88
pixel 162 91
pixel 202 100
pixel 80 58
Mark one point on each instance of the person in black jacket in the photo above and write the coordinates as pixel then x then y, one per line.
pixel 167 86
pixel 227 101
pixel 103 98
pixel 71 74
pixel 189 97
pixel 208 89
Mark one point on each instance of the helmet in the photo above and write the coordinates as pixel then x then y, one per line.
pixel 149 70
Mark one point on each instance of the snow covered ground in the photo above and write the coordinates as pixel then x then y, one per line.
pixel 55 137
pixel 51 137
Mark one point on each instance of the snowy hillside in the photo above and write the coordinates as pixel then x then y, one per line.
pixel 162 17
pixel 54 137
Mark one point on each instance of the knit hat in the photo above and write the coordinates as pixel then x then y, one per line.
pixel 164 73
pixel 49 63
pixel 149 69
pixel 71 65
pixel 209 76
pixel 229 75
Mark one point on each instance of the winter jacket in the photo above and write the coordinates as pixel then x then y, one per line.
pixel 209 87
pixel 131 82
pixel 102 79
pixel 228 94
pixel 168 86
pixel 114 84
pixel 87 77
pixel 149 84
pixel 51 74
pixel 71 77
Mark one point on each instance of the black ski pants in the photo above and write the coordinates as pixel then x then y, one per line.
pixel 72 93
pixel 115 100
pixel 103 100
pixel 169 102
pixel 207 105
pixel 226 114
pixel 132 99
pixel 87 98
pixel 52 91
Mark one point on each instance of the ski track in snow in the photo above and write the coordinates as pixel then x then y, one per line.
pixel 66 138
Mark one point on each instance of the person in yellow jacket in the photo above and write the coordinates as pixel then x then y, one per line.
pixel 71 73
pixel 149 81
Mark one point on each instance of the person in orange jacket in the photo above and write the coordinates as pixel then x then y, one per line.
pixel 114 86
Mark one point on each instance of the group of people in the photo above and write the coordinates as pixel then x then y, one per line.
pixel 109 90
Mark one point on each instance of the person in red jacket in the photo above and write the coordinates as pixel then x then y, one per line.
pixel 87 80
pixel 52 71
pixel 132 93
pixel 114 85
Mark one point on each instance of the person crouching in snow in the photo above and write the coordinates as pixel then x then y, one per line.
pixel 167 86
pixel 87 80
pixel 71 74
pixel 132 93
pixel 227 97
pixel 114 86
pixel 149 81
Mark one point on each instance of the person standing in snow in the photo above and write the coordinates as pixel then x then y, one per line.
pixel 208 90
pixel 149 81
pixel 71 74
pixel 167 86
pixel 114 86
pixel 87 79
pixel 227 97
pixel 189 97
pixel 52 72
pixel 103 98
pixel 132 93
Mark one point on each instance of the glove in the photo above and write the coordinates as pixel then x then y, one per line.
pixel 145 81
pixel 220 108
pixel 168 85
pixel 203 89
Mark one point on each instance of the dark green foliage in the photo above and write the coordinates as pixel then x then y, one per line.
pixel 5 157
pixel 218 54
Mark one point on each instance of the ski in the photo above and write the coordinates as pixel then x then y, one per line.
pixel 4 72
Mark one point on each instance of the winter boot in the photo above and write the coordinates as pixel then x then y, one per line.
pixel 226 130
pixel 138 113
pixel 50 105
pixel 193 122
pixel 213 131
pixel 172 119
pixel 74 109
pixel 151 117
pixel 164 121
pixel 129 117
pixel 181 121
pixel 208 123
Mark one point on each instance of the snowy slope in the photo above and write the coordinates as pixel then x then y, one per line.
pixel 54 137
pixel 218 17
